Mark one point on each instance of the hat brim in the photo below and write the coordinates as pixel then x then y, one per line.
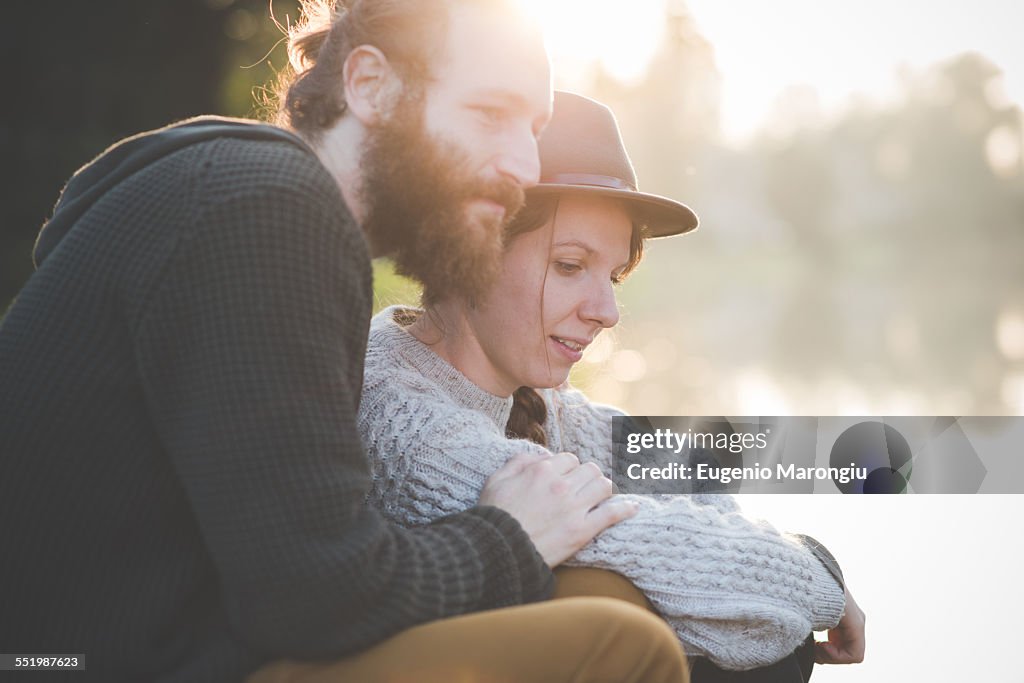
pixel 663 217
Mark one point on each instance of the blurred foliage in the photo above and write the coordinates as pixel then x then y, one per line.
pixel 390 288
pixel 868 263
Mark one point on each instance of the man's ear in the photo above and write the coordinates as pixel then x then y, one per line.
pixel 370 84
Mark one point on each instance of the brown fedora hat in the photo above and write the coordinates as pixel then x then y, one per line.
pixel 581 151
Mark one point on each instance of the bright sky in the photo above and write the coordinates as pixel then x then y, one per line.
pixel 761 48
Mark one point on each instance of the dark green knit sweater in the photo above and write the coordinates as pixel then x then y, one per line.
pixel 182 481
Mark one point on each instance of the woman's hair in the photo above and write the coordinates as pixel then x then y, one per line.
pixel 529 412
pixel 310 95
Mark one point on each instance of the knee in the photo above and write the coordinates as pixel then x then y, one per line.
pixel 638 645
pixel 633 624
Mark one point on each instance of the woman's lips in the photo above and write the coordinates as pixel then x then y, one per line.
pixel 570 349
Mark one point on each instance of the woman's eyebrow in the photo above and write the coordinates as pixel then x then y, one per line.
pixel 575 243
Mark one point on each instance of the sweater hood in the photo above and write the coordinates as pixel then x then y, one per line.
pixel 132 154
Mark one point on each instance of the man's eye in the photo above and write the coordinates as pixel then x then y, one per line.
pixel 493 114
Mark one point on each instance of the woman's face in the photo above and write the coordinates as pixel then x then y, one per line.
pixel 554 294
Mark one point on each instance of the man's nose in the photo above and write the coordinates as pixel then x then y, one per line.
pixel 519 158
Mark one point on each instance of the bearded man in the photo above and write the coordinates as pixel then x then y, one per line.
pixel 183 485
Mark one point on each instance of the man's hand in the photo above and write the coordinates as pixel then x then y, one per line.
pixel 556 500
pixel 846 641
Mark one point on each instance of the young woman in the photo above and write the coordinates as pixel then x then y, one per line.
pixel 454 390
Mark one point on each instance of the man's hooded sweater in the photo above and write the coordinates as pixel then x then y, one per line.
pixel 183 485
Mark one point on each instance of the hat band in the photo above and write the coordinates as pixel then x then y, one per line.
pixel 588 179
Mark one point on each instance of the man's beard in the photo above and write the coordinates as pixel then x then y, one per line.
pixel 417 191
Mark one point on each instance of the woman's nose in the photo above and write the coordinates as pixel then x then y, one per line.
pixel 601 307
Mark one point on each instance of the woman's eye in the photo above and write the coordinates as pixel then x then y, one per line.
pixel 567 268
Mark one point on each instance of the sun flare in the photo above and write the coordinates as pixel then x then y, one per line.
pixel 766 52
pixel 621 37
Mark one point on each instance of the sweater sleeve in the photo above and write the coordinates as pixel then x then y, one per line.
pixel 429 457
pixel 735 589
pixel 250 347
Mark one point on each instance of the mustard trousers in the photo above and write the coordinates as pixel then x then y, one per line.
pixel 598 630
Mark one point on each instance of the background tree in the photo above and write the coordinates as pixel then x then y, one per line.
pixel 80 76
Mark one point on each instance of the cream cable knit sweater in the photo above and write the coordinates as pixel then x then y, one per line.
pixel 734 589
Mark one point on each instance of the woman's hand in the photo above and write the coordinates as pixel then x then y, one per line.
pixel 846 641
